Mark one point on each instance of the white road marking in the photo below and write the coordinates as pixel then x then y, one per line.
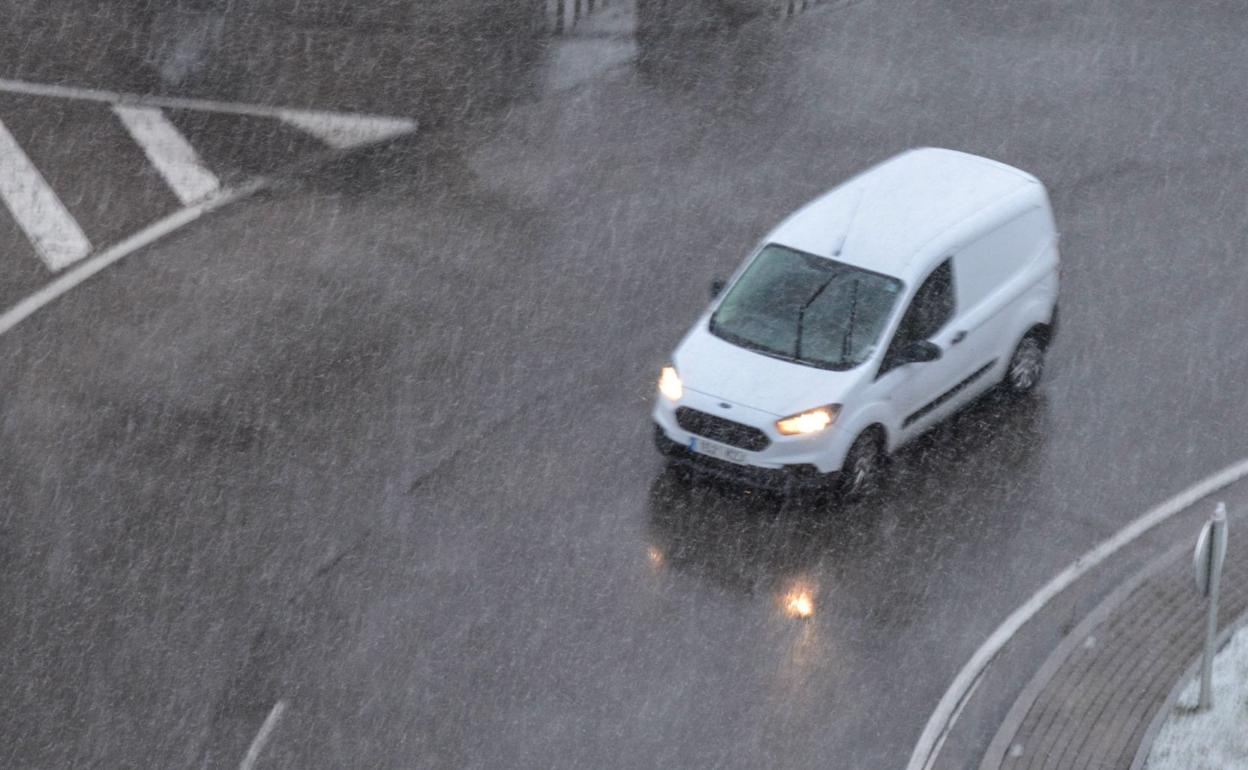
pixel 942 719
pixel 49 226
pixel 340 130
pixel 66 244
pixel 346 131
pixel 262 737
pixel 169 152
pixel 153 232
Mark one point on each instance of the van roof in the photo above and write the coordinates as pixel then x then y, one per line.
pixel 882 218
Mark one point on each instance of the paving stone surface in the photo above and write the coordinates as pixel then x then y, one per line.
pixel 1095 710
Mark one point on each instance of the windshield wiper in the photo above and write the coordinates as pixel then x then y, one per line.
pixel 801 317
pixel 849 329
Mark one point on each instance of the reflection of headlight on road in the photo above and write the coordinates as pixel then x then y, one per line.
pixel 655 556
pixel 799 602
pixel 670 385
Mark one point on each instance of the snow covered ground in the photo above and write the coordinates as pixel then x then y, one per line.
pixel 1217 739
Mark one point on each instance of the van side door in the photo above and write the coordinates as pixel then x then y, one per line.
pixel 922 393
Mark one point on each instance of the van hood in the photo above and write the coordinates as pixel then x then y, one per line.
pixel 715 367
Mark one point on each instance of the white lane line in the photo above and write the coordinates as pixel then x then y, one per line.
pixel 942 719
pixel 153 232
pixel 169 152
pixel 47 223
pixel 343 132
pixel 337 129
pixel 262 737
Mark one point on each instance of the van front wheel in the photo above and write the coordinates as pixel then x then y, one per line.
pixel 863 466
pixel 1026 366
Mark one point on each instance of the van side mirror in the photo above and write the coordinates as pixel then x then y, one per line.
pixel 920 352
pixel 717 287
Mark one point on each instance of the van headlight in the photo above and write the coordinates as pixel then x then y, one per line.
pixel 670 385
pixel 810 421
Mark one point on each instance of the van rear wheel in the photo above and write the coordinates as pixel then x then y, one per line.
pixel 1026 365
pixel 863 467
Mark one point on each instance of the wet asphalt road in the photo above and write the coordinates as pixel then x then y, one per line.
pixel 377 444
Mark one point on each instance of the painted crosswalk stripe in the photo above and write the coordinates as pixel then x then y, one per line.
pixel 169 152
pixel 340 130
pixel 49 226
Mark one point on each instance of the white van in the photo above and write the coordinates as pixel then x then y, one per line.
pixel 865 318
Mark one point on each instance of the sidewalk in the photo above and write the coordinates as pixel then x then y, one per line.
pixel 1100 699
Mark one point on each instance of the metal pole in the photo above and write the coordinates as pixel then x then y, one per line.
pixel 1217 547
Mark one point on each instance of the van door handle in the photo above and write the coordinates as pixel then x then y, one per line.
pixel 958 337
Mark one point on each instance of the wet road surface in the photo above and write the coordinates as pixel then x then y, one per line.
pixel 377 444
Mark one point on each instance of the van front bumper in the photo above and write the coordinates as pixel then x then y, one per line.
pixel 783 479
pixel 751 431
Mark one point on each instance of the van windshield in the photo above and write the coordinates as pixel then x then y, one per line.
pixel 806 309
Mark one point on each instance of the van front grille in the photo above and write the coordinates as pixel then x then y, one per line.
pixel 721 430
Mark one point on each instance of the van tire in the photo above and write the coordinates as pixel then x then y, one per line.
pixel 863 468
pixel 1026 366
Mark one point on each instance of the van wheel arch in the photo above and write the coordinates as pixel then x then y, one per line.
pixel 878 430
pixel 1042 332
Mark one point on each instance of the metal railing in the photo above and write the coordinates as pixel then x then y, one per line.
pixel 561 16
pixel 794 7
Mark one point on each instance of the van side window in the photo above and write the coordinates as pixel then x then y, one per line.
pixel 932 306
pixel 929 311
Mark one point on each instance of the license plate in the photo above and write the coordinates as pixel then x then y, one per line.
pixel 718 451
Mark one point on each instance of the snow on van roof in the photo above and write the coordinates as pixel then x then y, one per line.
pixel 883 217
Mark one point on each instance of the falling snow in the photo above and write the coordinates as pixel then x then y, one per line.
pixel 356 468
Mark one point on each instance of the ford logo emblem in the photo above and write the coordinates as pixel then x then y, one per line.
pixel 725 405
